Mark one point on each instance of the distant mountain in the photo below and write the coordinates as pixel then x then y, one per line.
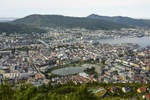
pixel 68 22
pixel 123 20
pixel 7 19
pixel 18 28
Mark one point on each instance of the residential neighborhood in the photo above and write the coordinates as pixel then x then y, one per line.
pixel 78 56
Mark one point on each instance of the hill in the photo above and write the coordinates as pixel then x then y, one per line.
pixel 18 28
pixel 123 20
pixel 68 22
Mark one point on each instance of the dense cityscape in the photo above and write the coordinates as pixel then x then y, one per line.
pixel 74 50
pixel 75 55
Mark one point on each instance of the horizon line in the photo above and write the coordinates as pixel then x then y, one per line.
pixel 74 16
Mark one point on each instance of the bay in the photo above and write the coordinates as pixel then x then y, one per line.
pixel 142 41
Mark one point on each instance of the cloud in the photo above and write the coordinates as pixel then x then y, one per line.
pixel 68 3
pixel 75 7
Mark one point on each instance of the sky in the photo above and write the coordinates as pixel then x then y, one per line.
pixel 79 8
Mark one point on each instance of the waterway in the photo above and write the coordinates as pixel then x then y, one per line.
pixel 142 41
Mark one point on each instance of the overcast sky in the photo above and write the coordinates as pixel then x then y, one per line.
pixel 21 8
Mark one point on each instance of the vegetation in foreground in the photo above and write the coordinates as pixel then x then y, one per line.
pixel 68 91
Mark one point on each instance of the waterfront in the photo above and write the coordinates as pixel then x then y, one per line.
pixel 142 42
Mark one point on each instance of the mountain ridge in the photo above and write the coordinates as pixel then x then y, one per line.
pixel 123 20
pixel 68 22
pixel 35 23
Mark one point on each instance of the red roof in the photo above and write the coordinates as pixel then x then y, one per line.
pixel 143 89
pixel 147 96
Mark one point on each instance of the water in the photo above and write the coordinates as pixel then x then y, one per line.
pixel 69 70
pixel 142 42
